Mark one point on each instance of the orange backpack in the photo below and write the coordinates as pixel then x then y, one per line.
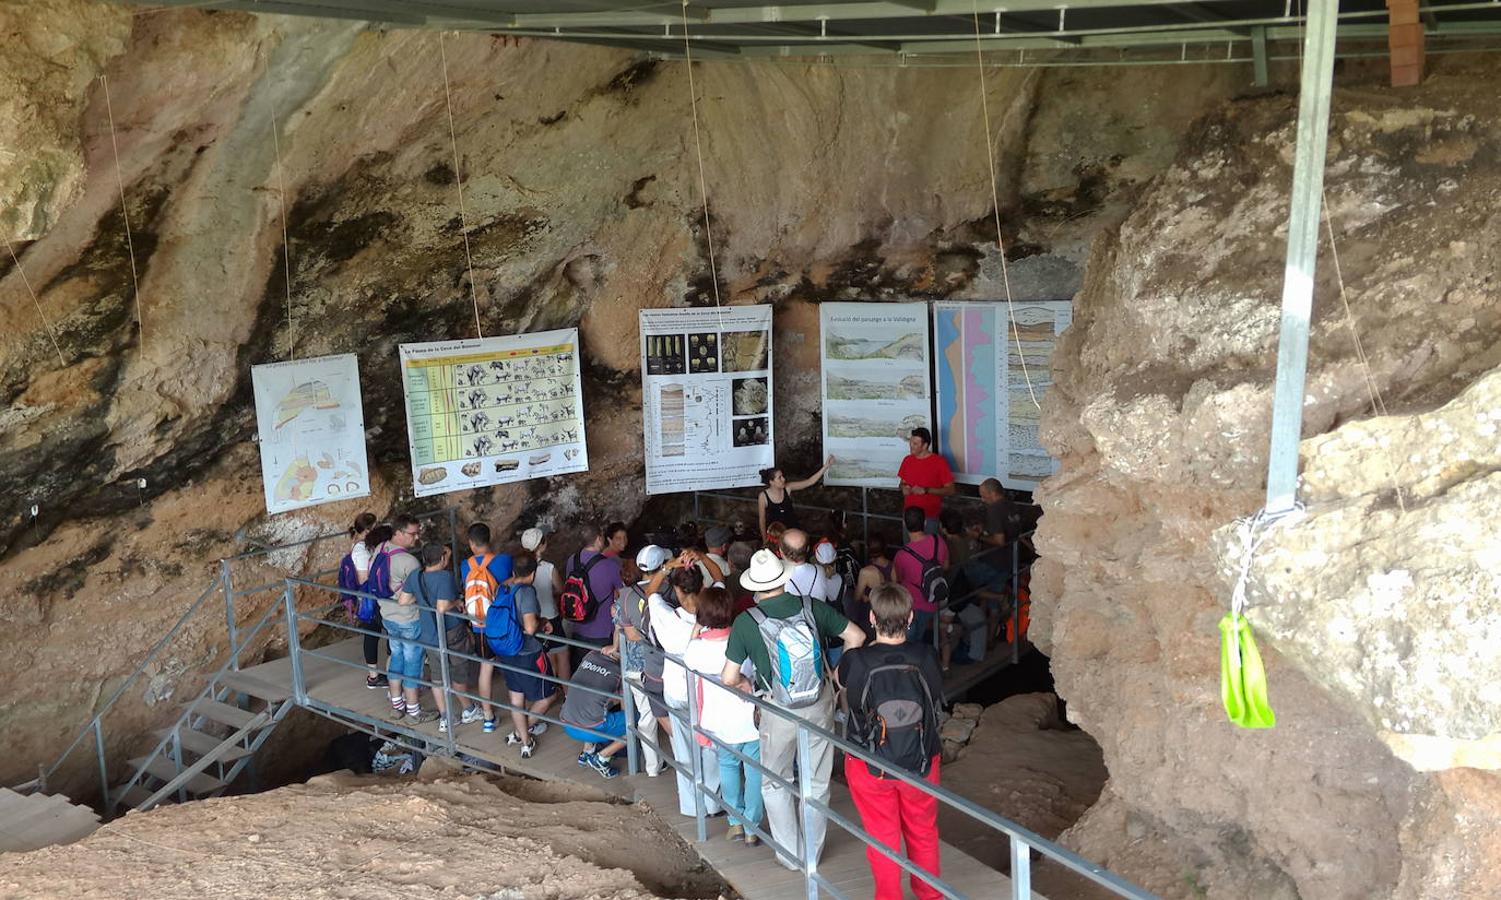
pixel 480 588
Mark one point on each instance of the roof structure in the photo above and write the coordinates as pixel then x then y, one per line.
pixel 905 32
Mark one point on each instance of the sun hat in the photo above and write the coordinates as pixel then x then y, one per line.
pixel 651 558
pixel 824 552
pixel 717 536
pixel 531 539
pixel 766 572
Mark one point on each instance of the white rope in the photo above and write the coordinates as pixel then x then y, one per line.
pixel 698 145
pixel 286 242
pixel 37 303
pixel 458 177
pixel 124 212
pixel 995 199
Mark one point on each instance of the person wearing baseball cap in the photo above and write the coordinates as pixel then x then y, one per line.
pixel 641 660
pixel 716 545
pixel 767 577
pixel 534 541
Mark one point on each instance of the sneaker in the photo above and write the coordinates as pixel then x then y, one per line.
pixel 375 682
pixel 600 765
pixel 528 749
pixel 471 715
pixel 537 728
pixel 443 725
pixel 421 718
pixel 488 727
pixel 751 840
pixel 586 756
pixel 734 833
pixel 513 739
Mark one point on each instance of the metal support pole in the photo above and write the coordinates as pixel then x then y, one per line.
pixel 1258 55
pixel 1016 604
pixel 865 512
pixel 697 515
pixel 453 541
pixel 294 646
pixel 628 709
pixel 1302 254
pixel 805 812
pixel 448 699
pixel 700 813
pixel 103 767
pixel 226 579
pixel 1021 869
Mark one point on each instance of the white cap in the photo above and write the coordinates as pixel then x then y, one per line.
pixel 651 558
pixel 531 539
pixel 824 552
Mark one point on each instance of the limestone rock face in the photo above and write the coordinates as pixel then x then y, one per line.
pixel 1378 621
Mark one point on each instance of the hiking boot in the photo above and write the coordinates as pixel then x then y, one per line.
pixel 488 727
pixel 537 728
pixel 528 749
pixel 734 833
pixel 471 715
pixel 375 682
pixel 599 764
pixel 421 718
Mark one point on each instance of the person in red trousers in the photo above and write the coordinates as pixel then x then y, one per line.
pixel 892 693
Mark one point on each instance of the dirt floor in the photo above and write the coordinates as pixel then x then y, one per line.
pixel 358 837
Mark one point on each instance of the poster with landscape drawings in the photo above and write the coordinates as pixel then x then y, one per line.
pixel 876 387
pixel 993 371
pixel 493 410
pixel 311 431
pixel 706 397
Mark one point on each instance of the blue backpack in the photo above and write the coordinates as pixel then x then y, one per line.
pixel 349 580
pixel 378 583
pixel 502 624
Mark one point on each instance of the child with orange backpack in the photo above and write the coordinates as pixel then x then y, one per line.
pixel 482 574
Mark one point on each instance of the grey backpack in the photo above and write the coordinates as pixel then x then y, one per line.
pixel 796 655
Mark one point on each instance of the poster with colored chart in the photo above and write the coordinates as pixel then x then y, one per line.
pixel 706 397
pixel 876 387
pixel 311 430
pixel 493 410
pixel 992 373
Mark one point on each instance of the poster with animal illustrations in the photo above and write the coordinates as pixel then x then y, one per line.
pixel 706 397
pixel 494 410
pixel 876 387
pixel 311 430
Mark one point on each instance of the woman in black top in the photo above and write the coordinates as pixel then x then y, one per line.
pixel 775 502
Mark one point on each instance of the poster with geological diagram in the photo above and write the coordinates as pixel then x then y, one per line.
pixel 706 397
pixel 489 411
pixel 311 430
pixel 876 387
pixel 991 379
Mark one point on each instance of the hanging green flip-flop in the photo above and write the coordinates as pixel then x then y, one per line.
pixel 1242 677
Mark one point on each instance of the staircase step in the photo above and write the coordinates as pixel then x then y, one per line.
pixel 202 745
pixel 133 798
pixel 256 687
pixel 225 714
pixel 46 820
pixel 160 766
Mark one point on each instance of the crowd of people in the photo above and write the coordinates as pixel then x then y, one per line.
pixel 689 633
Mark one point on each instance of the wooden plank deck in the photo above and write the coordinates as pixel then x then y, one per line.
pixel 339 683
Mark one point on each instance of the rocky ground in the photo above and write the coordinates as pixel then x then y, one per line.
pixel 346 836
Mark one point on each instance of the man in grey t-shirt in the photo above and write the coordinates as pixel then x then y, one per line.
pixel 527 673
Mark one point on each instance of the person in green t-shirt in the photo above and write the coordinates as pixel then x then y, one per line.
pixel 767 576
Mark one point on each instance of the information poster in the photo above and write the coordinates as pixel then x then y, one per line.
pixel 876 387
pixel 311 429
pixel 987 420
pixel 493 410
pixel 706 397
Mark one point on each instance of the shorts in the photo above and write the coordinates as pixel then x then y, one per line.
pixel 525 683
pixel 406 652
pixel 613 725
pixel 555 624
pixel 460 670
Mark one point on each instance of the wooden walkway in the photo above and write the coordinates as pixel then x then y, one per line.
pixel 752 871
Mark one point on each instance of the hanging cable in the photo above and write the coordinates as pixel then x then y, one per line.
pixel 458 177
pixel 286 241
pixel 124 213
pixel 698 145
pixel 51 333
pixel 995 199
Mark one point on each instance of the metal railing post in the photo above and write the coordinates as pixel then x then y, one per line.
pixel 103 766
pixel 805 812
pixel 453 722
pixel 1016 603
pixel 865 513
pixel 294 645
pixel 696 514
pixel 453 541
pixel 1021 869
pixel 700 813
pixel 226 580
pixel 628 709
pixel 175 749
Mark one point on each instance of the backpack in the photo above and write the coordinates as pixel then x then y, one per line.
pixel 796 655
pixel 935 586
pixel 635 650
pixel 349 580
pixel 480 588
pixel 502 624
pixel 577 603
pixel 847 566
pixel 901 724
pixel 378 582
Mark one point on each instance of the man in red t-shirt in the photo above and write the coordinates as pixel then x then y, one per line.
pixel 926 478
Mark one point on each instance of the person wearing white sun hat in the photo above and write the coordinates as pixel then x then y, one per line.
pixel 784 626
pixel 534 541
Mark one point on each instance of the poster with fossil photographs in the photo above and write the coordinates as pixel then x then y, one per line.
pixel 493 410
pixel 876 387
pixel 311 430
pixel 706 397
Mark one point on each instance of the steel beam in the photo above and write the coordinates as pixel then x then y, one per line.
pixel 1258 55
pixel 1302 255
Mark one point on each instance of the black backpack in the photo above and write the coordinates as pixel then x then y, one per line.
pixel 902 721
pixel 935 585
